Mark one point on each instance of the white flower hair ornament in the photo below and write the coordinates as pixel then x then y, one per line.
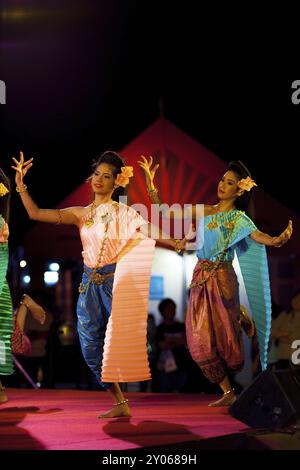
pixel 123 178
pixel 246 184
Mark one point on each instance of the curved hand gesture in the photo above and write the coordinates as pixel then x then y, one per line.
pixel 21 168
pixel 150 172
pixel 284 236
pixel 4 233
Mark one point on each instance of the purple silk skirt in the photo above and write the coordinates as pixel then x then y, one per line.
pixel 212 323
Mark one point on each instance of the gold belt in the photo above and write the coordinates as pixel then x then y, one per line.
pixel 211 267
pixel 97 278
pixel 208 265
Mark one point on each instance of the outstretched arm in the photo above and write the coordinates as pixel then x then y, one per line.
pixel 277 242
pixel 152 231
pixel 171 212
pixel 69 215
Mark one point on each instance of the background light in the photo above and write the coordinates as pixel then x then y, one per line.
pixel 23 263
pixel 26 279
pixel 50 277
pixel 54 267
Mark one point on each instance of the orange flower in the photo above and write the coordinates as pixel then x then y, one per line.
pixel 3 190
pixel 246 184
pixel 123 178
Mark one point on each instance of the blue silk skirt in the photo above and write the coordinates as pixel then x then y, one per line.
pixel 93 312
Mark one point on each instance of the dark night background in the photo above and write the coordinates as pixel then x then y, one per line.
pixel 86 76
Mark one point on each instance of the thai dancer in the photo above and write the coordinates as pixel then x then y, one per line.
pixel 113 295
pixel 213 321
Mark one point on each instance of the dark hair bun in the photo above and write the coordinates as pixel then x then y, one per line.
pixel 238 167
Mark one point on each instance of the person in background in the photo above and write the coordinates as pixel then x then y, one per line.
pixel 152 353
pixel 36 361
pixel 286 330
pixel 172 350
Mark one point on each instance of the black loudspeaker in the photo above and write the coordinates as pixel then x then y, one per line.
pixel 271 401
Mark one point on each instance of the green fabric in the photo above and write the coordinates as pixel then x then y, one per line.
pixel 6 330
pixel 6 313
pixel 3 258
pixel 253 262
pixel 3 263
pixel 222 230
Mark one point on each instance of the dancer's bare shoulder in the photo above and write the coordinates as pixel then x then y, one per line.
pixel 209 210
pixel 200 210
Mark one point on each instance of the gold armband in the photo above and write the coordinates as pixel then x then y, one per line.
pixel 178 250
pixel 21 189
pixel 153 193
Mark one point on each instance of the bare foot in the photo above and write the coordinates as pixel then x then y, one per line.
pixel 37 311
pixel 227 399
pixel 3 396
pixel 117 411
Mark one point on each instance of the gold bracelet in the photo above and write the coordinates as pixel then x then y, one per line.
pixel 276 245
pixel 153 194
pixel 178 250
pixel 21 190
pixel 59 217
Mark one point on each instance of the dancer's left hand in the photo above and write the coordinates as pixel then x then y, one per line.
pixel 4 233
pixel 150 171
pixel 284 236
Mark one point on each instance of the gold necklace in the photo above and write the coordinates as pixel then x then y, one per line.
pixel 90 220
pixel 82 289
pixel 106 219
pixel 214 221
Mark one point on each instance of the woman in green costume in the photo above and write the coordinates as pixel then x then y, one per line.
pixel 12 337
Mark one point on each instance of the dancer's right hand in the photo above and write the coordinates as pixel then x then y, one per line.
pixel 21 168
pixel 149 172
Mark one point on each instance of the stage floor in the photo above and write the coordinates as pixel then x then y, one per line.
pixel 67 420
